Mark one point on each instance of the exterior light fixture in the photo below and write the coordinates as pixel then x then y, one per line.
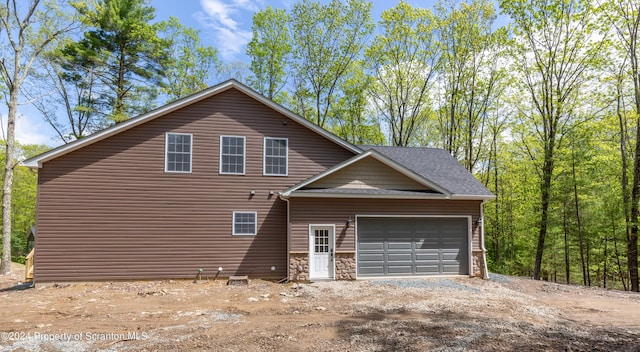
pixel 349 221
pixel 252 192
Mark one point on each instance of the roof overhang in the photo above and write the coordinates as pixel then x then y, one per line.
pixel 37 161
pixel 472 197
pixel 303 194
pixel 298 189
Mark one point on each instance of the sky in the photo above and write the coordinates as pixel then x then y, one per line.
pixel 223 24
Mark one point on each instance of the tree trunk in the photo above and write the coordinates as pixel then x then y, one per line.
pixel 604 269
pixel 566 244
pixel 7 185
pixel 632 239
pixel 617 254
pixel 578 219
pixel 545 195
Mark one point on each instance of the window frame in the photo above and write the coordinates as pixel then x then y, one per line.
pixel 244 155
pixel 233 223
pixel 166 152
pixel 264 157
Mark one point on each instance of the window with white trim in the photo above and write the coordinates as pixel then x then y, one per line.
pixel 232 155
pixel 245 223
pixel 178 150
pixel 276 155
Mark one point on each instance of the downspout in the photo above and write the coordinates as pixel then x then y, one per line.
pixel 484 250
pixel 286 200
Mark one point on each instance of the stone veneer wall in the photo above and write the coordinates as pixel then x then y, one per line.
pixel 345 266
pixel 299 266
pixel 478 264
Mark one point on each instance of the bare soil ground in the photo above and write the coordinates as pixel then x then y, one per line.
pixel 437 314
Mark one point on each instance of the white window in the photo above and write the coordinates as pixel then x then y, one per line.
pixel 232 155
pixel 276 154
pixel 178 148
pixel 245 223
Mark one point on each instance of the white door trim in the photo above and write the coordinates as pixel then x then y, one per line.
pixel 332 245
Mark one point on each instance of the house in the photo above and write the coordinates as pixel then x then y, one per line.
pixel 232 183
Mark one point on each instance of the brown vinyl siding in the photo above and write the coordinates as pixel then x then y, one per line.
pixel 368 173
pixel 109 210
pixel 305 211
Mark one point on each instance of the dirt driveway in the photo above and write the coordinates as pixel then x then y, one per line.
pixel 437 314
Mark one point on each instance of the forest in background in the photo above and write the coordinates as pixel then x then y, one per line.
pixel 543 110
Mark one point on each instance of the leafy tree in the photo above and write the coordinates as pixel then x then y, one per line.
pixel 188 64
pixel 624 17
pixel 403 60
pixel 553 48
pixel 71 89
pixel 28 29
pixel 471 76
pixel 126 48
pixel 355 122
pixel 269 50
pixel 328 39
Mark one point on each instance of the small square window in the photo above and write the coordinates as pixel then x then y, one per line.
pixel 245 223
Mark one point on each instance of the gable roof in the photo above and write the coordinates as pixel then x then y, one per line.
pixel 438 166
pixel 433 168
pixel 36 161
pixel 438 191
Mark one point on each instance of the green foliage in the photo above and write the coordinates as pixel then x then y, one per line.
pixel 125 47
pixel 329 38
pixel 403 60
pixel 269 50
pixel 24 193
pixel 472 78
pixel 188 64
pixel 354 121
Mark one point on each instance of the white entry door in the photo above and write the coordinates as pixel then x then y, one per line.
pixel 321 252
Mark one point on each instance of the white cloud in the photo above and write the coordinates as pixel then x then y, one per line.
pixel 230 23
pixel 32 130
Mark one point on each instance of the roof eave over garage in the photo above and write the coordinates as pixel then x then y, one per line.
pixel 37 161
pixel 303 194
pixel 472 197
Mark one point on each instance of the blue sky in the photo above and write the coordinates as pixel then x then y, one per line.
pixel 223 24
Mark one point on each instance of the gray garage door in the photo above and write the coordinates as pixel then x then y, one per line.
pixel 412 246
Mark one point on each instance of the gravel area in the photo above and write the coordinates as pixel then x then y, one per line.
pixel 430 314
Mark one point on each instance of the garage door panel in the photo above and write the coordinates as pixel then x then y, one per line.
pixel 450 256
pixel 427 256
pixel 400 269
pixel 412 246
pixel 398 245
pixel 428 269
pixel 427 243
pixel 371 246
pixel 400 257
pixel 371 257
pixel 451 270
pixel 451 244
pixel 372 270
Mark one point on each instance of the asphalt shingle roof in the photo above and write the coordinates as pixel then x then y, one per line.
pixel 437 166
